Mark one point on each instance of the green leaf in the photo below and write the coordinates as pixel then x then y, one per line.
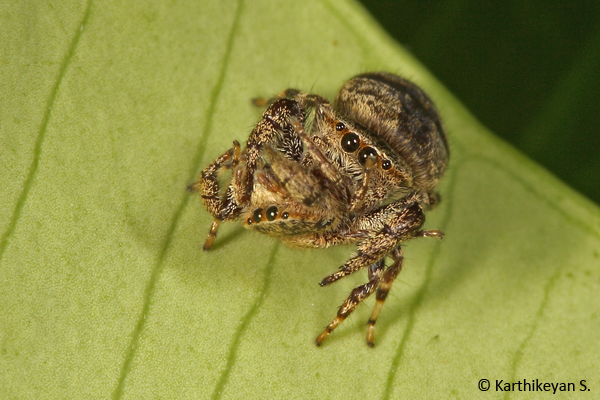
pixel 109 110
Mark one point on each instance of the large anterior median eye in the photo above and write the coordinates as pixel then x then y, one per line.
pixel 272 213
pixel 350 142
pixel 365 153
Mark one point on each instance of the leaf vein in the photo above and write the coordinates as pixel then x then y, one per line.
pixel 158 268
pixel 232 354
pixel 538 316
pixel 33 168
pixel 420 295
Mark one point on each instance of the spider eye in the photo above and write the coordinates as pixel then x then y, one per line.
pixel 340 126
pixel 350 142
pixel 365 153
pixel 386 164
pixel 271 213
pixel 257 216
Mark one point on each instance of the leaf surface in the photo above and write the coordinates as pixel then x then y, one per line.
pixel 111 109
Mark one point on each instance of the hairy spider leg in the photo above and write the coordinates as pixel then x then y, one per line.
pixel 208 185
pixel 390 274
pixel 404 224
pixel 357 295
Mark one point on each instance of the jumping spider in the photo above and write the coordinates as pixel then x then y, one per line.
pixel 315 175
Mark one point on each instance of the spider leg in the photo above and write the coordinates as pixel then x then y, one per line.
pixel 390 225
pixel 398 222
pixel 357 295
pixel 220 207
pixel 358 199
pixel 327 168
pixel 212 234
pixel 369 251
pixel 385 284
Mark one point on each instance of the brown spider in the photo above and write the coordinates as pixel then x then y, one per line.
pixel 362 171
